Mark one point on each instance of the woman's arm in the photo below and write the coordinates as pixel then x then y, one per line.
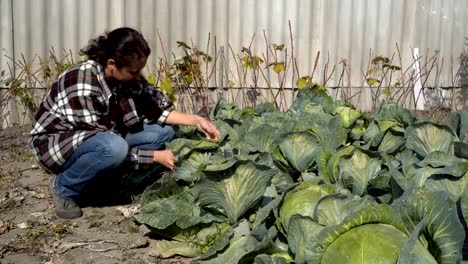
pixel 202 124
pixel 166 157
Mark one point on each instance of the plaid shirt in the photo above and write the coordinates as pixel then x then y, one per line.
pixel 80 104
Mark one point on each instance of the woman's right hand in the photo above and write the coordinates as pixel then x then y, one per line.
pixel 165 158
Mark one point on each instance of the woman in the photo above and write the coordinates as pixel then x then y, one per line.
pixel 101 114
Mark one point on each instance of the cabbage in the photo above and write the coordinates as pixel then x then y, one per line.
pixel 302 201
pixel 372 243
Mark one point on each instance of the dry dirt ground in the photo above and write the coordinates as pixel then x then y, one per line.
pixel 31 233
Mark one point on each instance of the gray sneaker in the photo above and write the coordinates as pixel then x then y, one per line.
pixel 64 208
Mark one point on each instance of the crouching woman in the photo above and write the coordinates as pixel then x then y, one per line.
pixel 101 114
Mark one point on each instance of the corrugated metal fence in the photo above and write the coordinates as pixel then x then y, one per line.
pixel 350 30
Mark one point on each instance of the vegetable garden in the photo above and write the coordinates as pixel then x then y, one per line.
pixel 316 182
pixel 319 183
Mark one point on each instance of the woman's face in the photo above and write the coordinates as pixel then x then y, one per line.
pixel 126 73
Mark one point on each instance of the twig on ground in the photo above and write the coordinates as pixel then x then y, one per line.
pixel 90 245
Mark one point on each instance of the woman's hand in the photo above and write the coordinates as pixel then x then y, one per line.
pixel 202 124
pixel 165 158
pixel 209 129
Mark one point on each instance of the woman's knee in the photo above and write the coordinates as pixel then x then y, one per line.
pixel 168 133
pixel 113 147
pixel 153 137
pixel 159 134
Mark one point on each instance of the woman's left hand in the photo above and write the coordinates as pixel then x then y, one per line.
pixel 209 129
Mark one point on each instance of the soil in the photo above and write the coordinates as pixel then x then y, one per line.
pixel 30 232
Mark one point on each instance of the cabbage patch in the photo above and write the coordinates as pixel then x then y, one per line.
pixel 319 183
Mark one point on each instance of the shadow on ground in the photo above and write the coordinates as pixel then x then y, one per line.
pixel 117 187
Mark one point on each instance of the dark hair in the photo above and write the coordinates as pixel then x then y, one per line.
pixel 122 44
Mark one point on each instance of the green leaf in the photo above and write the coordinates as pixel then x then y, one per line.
pixel 220 165
pixel 173 98
pixel 166 85
pixel 246 62
pixel 464 204
pixel 265 138
pixel 444 230
pixel 181 44
pixel 182 131
pixel 179 208
pixel 256 61
pixel 188 78
pixel 267 259
pixel 408 160
pixel 190 169
pixel 265 108
pixel 361 168
pixel 408 253
pixel 387 92
pixel 399 182
pixel 348 115
pixel 182 146
pixel 461 150
pixel 221 107
pixel 151 80
pixel 312 115
pixel 439 159
pixel 167 249
pixel 333 209
pixel 265 211
pixel 459 123
pixel 237 193
pixel 391 142
pixel 322 161
pixel 331 134
pixel 308 96
pixel 301 235
pixel 358 130
pixel 372 81
pixel 332 173
pixel 377 246
pixel 389 110
pixel 226 131
pixel 201 237
pixel 454 186
pixel 379 59
pixel 373 243
pixel 427 137
pixel 275 119
pixel 252 62
pixel 300 149
pixel 373 136
pixel 301 83
pixel 244 243
pixel 238 248
pixel 279 47
pixel 163 188
pixel 386 124
pixel 220 242
pixel 302 201
pixel 419 176
pixel 282 179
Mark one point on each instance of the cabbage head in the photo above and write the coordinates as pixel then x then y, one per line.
pixel 302 201
pixel 372 243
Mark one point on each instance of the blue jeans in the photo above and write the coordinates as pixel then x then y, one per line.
pixel 105 151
